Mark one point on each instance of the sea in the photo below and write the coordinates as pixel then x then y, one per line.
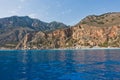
pixel 82 64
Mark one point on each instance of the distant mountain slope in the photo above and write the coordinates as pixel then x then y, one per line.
pixel 27 22
pixel 13 29
pixel 104 20
pixel 102 31
pixel 94 30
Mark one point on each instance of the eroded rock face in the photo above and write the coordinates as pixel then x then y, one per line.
pixel 95 36
pixel 55 39
pixel 85 33
pixel 77 36
pixel 13 29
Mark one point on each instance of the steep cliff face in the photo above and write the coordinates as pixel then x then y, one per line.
pixel 83 34
pixel 55 39
pixel 102 30
pixel 14 29
pixel 24 43
pixel 97 36
pixel 77 37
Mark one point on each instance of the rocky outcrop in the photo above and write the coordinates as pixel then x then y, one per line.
pixel 23 44
pixel 14 29
pixel 84 34
pixel 102 31
pixel 77 36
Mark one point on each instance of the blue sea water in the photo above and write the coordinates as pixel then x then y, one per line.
pixel 103 64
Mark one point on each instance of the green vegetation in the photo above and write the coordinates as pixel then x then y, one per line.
pixel 84 22
pixel 113 19
pixel 105 44
pixel 100 22
pixel 70 42
pixel 10 45
pixel 93 21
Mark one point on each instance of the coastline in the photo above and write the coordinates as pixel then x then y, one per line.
pixel 85 48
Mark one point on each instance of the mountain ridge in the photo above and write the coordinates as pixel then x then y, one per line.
pixel 14 28
pixel 96 30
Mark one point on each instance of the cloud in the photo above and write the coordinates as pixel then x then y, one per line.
pixel 33 15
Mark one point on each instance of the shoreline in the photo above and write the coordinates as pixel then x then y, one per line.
pixel 102 48
pixel 84 48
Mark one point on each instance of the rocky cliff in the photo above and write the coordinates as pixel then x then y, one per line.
pixel 77 37
pixel 14 29
pixel 94 30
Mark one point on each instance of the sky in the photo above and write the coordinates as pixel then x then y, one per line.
pixel 69 12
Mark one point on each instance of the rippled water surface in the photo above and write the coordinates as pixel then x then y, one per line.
pixel 60 65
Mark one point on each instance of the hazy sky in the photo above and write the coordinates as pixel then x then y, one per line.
pixel 69 12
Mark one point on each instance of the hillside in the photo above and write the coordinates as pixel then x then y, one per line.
pixel 104 20
pixel 13 29
pixel 94 30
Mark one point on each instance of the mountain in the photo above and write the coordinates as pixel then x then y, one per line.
pixel 94 30
pixel 27 22
pixel 56 25
pixel 104 20
pixel 13 29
